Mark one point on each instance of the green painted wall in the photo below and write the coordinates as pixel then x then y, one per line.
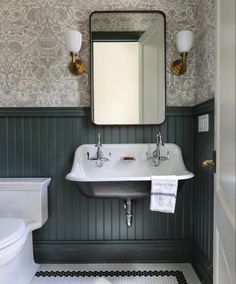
pixel 42 141
pixel 44 146
pixel 203 193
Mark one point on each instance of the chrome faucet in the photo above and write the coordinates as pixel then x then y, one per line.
pixel 99 146
pixel 159 139
pixel 156 154
pixel 99 158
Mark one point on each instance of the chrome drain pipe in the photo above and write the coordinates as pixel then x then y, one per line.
pixel 128 205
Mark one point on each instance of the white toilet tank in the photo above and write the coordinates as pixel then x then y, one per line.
pixel 25 198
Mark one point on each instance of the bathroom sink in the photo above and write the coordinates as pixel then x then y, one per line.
pixel 125 170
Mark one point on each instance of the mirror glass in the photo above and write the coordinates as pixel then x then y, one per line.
pixel 127 67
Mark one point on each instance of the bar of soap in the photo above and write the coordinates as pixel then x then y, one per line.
pixel 128 158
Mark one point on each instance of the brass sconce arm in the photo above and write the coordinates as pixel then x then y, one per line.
pixel 76 66
pixel 179 66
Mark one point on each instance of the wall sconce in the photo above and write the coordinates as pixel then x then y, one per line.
pixel 184 41
pixel 73 40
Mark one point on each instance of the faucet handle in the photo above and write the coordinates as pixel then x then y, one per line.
pixel 149 157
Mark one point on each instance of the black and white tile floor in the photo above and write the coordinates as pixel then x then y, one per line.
pixel 120 273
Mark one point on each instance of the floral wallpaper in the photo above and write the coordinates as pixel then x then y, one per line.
pixel 205 50
pixel 33 59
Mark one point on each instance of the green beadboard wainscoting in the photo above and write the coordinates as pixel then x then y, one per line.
pixel 41 142
pixel 203 195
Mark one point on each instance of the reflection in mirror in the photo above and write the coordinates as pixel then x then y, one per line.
pixel 128 67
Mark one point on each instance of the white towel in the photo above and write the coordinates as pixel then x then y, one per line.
pixel 163 193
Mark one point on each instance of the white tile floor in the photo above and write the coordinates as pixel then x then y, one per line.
pixel 186 268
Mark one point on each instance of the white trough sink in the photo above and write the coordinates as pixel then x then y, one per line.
pixel 128 172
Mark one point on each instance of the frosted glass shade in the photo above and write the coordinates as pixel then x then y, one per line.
pixel 73 40
pixel 184 41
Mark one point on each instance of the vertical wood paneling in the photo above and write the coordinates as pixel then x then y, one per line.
pixel 67 188
pixel 91 218
pixel 3 147
pixel 11 133
pixel 204 188
pixel 60 161
pixel 99 219
pixel 146 220
pixel 171 137
pixel 43 163
pixel 52 171
pixel 107 219
pixel 139 220
pixel 44 146
pixel 115 220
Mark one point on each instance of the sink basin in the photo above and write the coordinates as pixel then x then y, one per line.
pixel 128 172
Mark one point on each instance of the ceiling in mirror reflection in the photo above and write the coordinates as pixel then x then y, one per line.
pixel 128 68
pixel 123 21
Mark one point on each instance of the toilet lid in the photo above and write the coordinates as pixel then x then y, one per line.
pixel 11 229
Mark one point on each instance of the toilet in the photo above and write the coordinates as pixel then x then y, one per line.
pixel 23 208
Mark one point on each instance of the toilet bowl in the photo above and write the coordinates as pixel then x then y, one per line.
pixel 17 265
pixel 18 218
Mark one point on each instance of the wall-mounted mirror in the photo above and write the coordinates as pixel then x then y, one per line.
pixel 128 67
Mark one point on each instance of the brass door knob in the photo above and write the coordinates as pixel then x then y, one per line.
pixel 212 163
pixel 207 163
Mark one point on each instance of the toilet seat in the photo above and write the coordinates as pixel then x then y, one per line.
pixel 13 234
pixel 11 230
